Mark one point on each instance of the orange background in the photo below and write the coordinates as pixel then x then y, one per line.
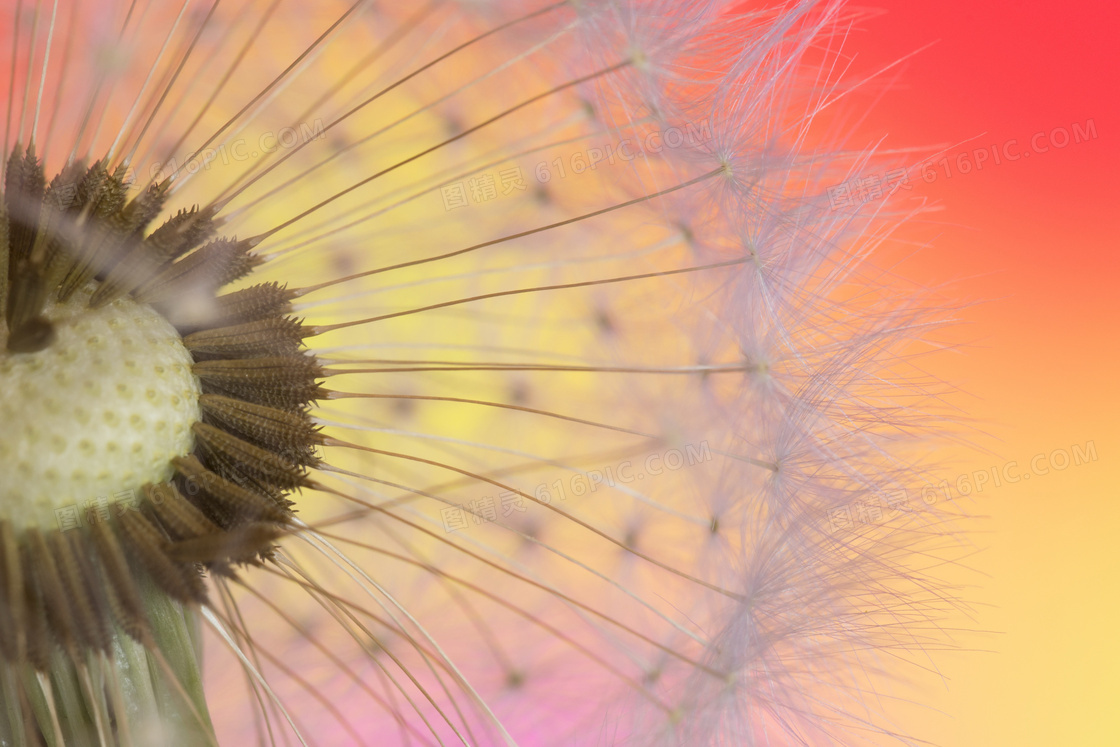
pixel 1034 242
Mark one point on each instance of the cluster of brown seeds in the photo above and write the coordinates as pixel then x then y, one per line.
pixel 227 502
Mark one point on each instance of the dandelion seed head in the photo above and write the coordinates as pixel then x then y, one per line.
pixel 532 360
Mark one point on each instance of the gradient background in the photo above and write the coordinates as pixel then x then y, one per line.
pixel 1034 242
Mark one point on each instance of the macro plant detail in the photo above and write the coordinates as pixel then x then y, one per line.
pixel 457 373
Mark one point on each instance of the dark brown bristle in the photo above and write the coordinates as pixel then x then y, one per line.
pixel 13 618
pixel 113 194
pixel 205 270
pixel 52 247
pixel 148 547
pixel 105 237
pixel 263 338
pixel 27 293
pixel 179 517
pixel 136 267
pixel 148 204
pixel 290 433
pixel 123 597
pixel 180 233
pixel 241 545
pixel 288 383
pixel 29 330
pixel 227 503
pixel 36 630
pixel 135 261
pixel 45 580
pixel 5 263
pixel 234 458
pixel 24 184
pixel 54 218
pixel 91 623
pixel 254 303
pixel 91 184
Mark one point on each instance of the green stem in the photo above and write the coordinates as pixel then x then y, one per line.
pixel 131 697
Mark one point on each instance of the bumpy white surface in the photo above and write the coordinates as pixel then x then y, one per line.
pixel 97 414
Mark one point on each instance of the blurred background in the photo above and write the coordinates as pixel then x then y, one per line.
pixel 1017 104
